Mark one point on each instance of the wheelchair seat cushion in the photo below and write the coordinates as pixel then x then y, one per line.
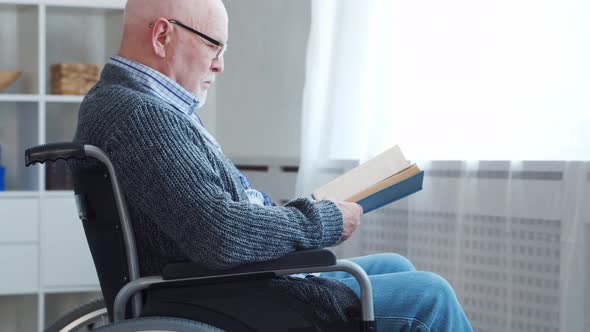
pixel 253 305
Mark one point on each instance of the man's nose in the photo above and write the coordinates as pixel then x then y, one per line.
pixel 217 65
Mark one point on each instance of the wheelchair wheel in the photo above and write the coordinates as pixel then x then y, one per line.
pixel 159 324
pixel 86 317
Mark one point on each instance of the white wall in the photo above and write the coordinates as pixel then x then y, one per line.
pixel 257 100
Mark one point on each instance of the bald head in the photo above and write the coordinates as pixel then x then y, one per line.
pixel 149 38
pixel 139 12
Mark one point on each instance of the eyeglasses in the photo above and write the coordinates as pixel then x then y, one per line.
pixel 221 46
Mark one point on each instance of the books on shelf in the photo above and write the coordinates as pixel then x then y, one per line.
pixel 384 179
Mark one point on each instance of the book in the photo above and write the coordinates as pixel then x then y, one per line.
pixel 379 181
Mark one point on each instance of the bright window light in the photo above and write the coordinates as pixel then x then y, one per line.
pixel 476 80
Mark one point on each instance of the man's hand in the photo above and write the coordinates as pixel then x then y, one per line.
pixel 351 218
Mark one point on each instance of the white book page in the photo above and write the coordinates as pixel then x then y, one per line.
pixel 388 163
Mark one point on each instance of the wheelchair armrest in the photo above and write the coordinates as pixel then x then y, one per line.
pixel 294 260
pixel 356 271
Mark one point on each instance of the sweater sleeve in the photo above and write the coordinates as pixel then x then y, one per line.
pixel 169 176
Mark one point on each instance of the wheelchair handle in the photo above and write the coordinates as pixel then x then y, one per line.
pixel 53 152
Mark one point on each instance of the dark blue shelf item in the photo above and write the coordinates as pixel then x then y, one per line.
pixel 2 178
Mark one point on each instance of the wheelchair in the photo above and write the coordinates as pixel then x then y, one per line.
pixel 223 302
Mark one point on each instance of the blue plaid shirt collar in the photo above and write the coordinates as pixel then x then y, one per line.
pixel 159 85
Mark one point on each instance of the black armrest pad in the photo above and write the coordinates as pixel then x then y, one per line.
pixel 294 260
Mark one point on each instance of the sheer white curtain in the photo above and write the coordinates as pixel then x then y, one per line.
pixel 456 79
pixel 472 81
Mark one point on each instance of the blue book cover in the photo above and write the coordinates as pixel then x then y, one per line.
pixel 392 193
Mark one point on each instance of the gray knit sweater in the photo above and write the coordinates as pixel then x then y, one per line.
pixel 186 201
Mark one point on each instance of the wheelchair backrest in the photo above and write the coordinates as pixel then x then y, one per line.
pixel 103 212
pixel 100 218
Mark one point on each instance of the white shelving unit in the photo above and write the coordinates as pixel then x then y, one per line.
pixel 46 265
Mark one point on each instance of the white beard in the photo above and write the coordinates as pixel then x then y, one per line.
pixel 202 98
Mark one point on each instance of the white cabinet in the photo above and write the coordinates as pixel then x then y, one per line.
pixel 20 268
pixel 66 259
pixel 19 220
pixel 19 245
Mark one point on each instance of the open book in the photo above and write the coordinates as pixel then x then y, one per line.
pixel 384 179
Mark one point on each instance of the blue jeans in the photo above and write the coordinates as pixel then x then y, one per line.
pixel 406 299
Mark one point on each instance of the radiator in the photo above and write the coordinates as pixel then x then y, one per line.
pixel 512 238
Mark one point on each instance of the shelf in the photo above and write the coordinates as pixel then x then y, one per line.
pixel 48 268
pixel 18 131
pixel 19 2
pixel 95 289
pixel 20 44
pixel 57 304
pixel 94 44
pixel 19 98
pixel 61 121
pixel 19 194
pixel 105 4
pixel 63 99
pixel 17 313
pixel 58 194
pixel 31 98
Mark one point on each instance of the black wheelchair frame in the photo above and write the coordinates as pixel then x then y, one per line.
pixel 108 228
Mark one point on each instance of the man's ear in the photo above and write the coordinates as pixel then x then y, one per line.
pixel 161 36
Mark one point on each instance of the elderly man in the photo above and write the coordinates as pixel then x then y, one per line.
pixel 188 201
